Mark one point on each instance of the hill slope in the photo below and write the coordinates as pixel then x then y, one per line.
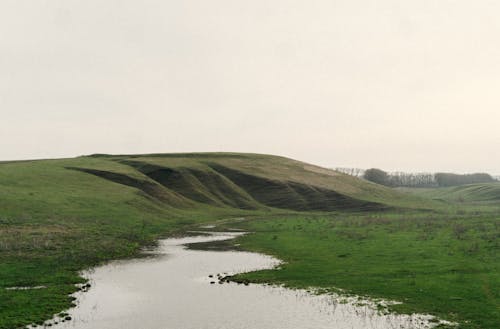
pixel 474 193
pixel 248 181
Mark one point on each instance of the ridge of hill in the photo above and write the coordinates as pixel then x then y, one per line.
pixel 245 181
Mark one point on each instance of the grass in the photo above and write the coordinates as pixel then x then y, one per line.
pixel 439 264
pixel 58 217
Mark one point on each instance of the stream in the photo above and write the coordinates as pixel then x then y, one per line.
pixel 173 290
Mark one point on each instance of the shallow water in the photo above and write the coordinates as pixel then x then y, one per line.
pixel 173 291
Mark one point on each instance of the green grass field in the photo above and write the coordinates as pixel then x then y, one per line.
pixel 446 265
pixel 58 217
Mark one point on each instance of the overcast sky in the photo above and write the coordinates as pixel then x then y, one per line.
pixel 400 85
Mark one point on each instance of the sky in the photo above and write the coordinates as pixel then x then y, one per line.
pixel 398 85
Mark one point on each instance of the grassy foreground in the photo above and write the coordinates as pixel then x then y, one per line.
pixel 445 265
pixel 58 217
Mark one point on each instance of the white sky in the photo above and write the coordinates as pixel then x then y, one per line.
pixel 400 85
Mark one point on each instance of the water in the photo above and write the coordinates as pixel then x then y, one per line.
pixel 173 291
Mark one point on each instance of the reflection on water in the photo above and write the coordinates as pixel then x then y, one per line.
pixel 173 291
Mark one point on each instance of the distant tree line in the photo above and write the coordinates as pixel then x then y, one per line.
pixel 446 179
pixel 400 179
pixel 423 179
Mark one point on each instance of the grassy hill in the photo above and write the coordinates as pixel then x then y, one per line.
pixel 246 181
pixel 187 181
pixel 472 193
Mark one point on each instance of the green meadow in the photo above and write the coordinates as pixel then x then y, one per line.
pixel 442 264
pixel 434 250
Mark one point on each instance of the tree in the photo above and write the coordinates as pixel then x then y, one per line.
pixel 377 176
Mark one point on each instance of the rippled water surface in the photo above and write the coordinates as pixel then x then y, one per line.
pixel 173 291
